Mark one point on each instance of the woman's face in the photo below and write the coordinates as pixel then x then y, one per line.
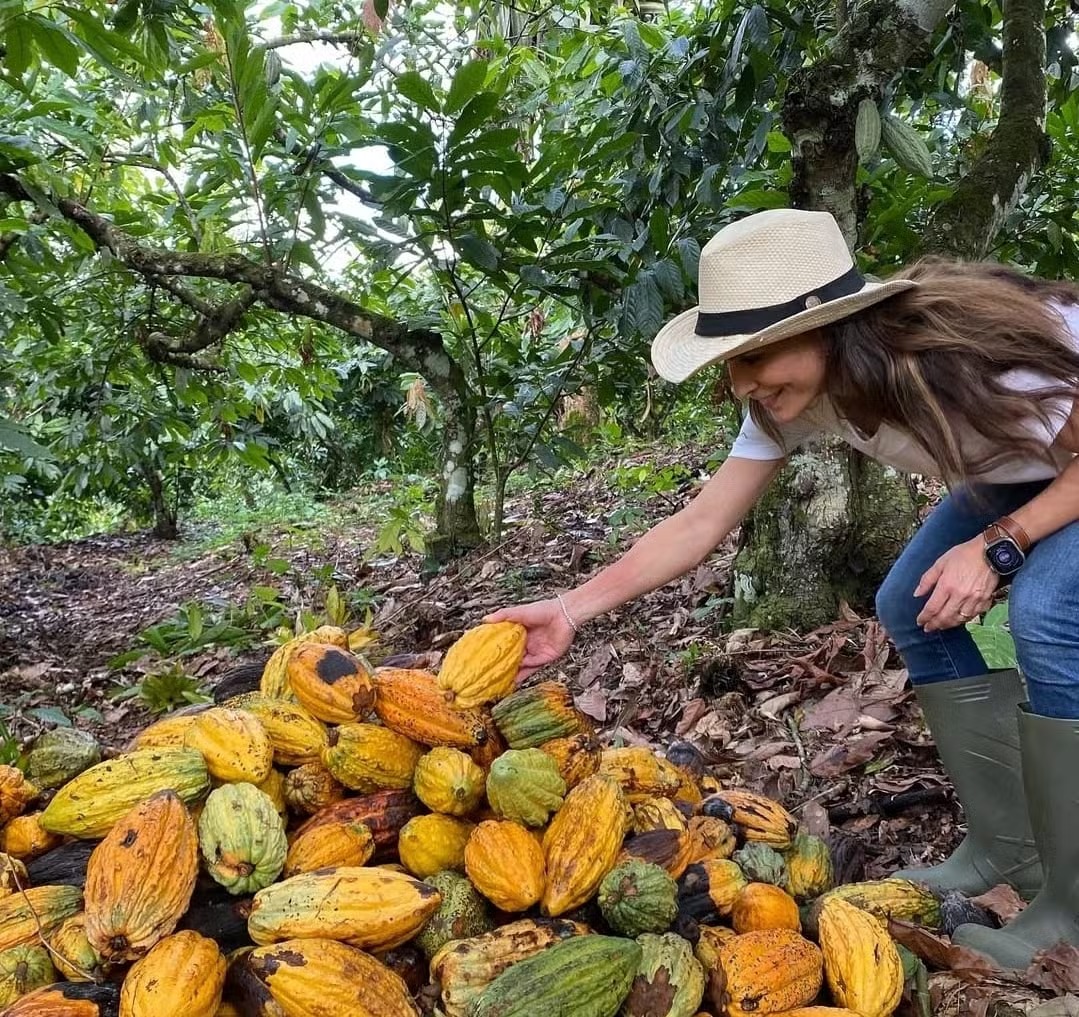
pixel 785 377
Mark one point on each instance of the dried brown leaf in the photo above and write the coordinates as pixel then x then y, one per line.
pixel 1056 968
pixel 839 759
pixel 1002 900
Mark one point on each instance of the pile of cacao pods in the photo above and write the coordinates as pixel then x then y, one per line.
pixel 386 842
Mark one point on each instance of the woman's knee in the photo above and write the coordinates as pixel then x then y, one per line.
pixel 897 607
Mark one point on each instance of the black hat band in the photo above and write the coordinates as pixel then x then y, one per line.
pixel 721 323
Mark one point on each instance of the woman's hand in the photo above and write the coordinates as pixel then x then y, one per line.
pixel 549 634
pixel 963 585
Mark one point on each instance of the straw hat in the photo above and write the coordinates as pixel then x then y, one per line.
pixel 767 277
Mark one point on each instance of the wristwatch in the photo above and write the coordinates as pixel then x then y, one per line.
pixel 1006 546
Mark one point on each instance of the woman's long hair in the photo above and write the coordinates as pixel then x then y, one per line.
pixel 930 360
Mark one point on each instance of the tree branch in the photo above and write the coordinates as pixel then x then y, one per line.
pixel 417 350
pixel 966 223
pixel 333 38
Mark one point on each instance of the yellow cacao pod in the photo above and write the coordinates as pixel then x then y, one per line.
pixel 340 843
pixel 140 878
pixel 330 683
pixel 481 667
pixel 433 843
pixel 273 787
pixel 657 814
pixel 641 772
pixel 296 736
pixel 764 906
pixel 447 780
pixel 183 974
pixel 234 744
pixel 367 757
pixel 16 793
pixel 506 864
pixel 708 889
pixel 325 978
pixel 758 817
pixel 27 915
pixel 73 954
pixel 767 972
pixel 711 838
pixel 668 849
pixel 577 756
pixel 809 867
pixel 582 842
pixel 25 839
pixel 374 909
pixel 861 962
pixel 167 733
pixel 97 798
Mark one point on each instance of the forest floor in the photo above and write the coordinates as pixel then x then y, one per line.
pixel 823 721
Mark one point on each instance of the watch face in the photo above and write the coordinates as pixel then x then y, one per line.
pixel 1004 556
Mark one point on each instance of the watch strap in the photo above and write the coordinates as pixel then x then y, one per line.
pixel 1005 526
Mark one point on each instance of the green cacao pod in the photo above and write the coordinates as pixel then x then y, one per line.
pixel 809 868
pixel 242 838
pixel 89 805
pixel 867 130
pixel 59 755
pixel 462 913
pixel 524 785
pixel 529 717
pixel 23 969
pixel 669 980
pixel 638 897
pixel 906 146
pixel 761 864
pixel 587 976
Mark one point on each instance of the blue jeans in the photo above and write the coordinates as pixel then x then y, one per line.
pixel 1043 605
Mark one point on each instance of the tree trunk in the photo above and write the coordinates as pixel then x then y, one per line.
pixel 165 516
pixel 456 527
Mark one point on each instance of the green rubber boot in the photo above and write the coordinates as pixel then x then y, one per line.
pixel 1050 765
pixel 973 721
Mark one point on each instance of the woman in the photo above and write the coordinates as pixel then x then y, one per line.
pixel 967 372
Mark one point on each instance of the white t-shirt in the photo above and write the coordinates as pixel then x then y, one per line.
pixel 898 449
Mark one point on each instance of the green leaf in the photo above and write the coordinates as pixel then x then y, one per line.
pixel 477 112
pixel 642 307
pixel 56 46
pixel 15 438
pixel 467 82
pixel 382 8
pixel 413 85
pixel 18 45
pixel 479 252
pixel 16 152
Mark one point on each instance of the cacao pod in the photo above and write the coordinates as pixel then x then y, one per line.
pixel 447 780
pixel 464 968
pixel 16 793
pixel 885 898
pixel 658 814
pixel 708 889
pixel 384 813
pixel 764 906
pixel 242 838
pixel 59 755
pixel 367 757
pixel 637 897
pixel 295 735
pixel 582 843
pixel 67 999
pixel 761 863
pixel 311 787
pixel 73 954
pixel 861 962
pixel 668 848
pixel 481 667
pixel 530 717
pixel 23 969
pixel 524 786
pixel 641 773
pixel 710 838
pixel 182 974
pixel 334 844
pixel 24 838
pixel 767 972
pixel 506 864
pixel 433 843
pixel 167 733
pixel 906 146
pixel 809 868
pixel 462 913
pixel 13 875
pixel 330 683
pixel 577 756
pixel 374 909
pixel 669 980
pixel 867 130
pixel 412 704
pixel 29 914
pixel 89 805
pixel 140 878
pixel 274 682
pixel 234 744
pixel 759 818
pixel 587 976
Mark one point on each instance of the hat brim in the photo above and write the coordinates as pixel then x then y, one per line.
pixel 678 352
